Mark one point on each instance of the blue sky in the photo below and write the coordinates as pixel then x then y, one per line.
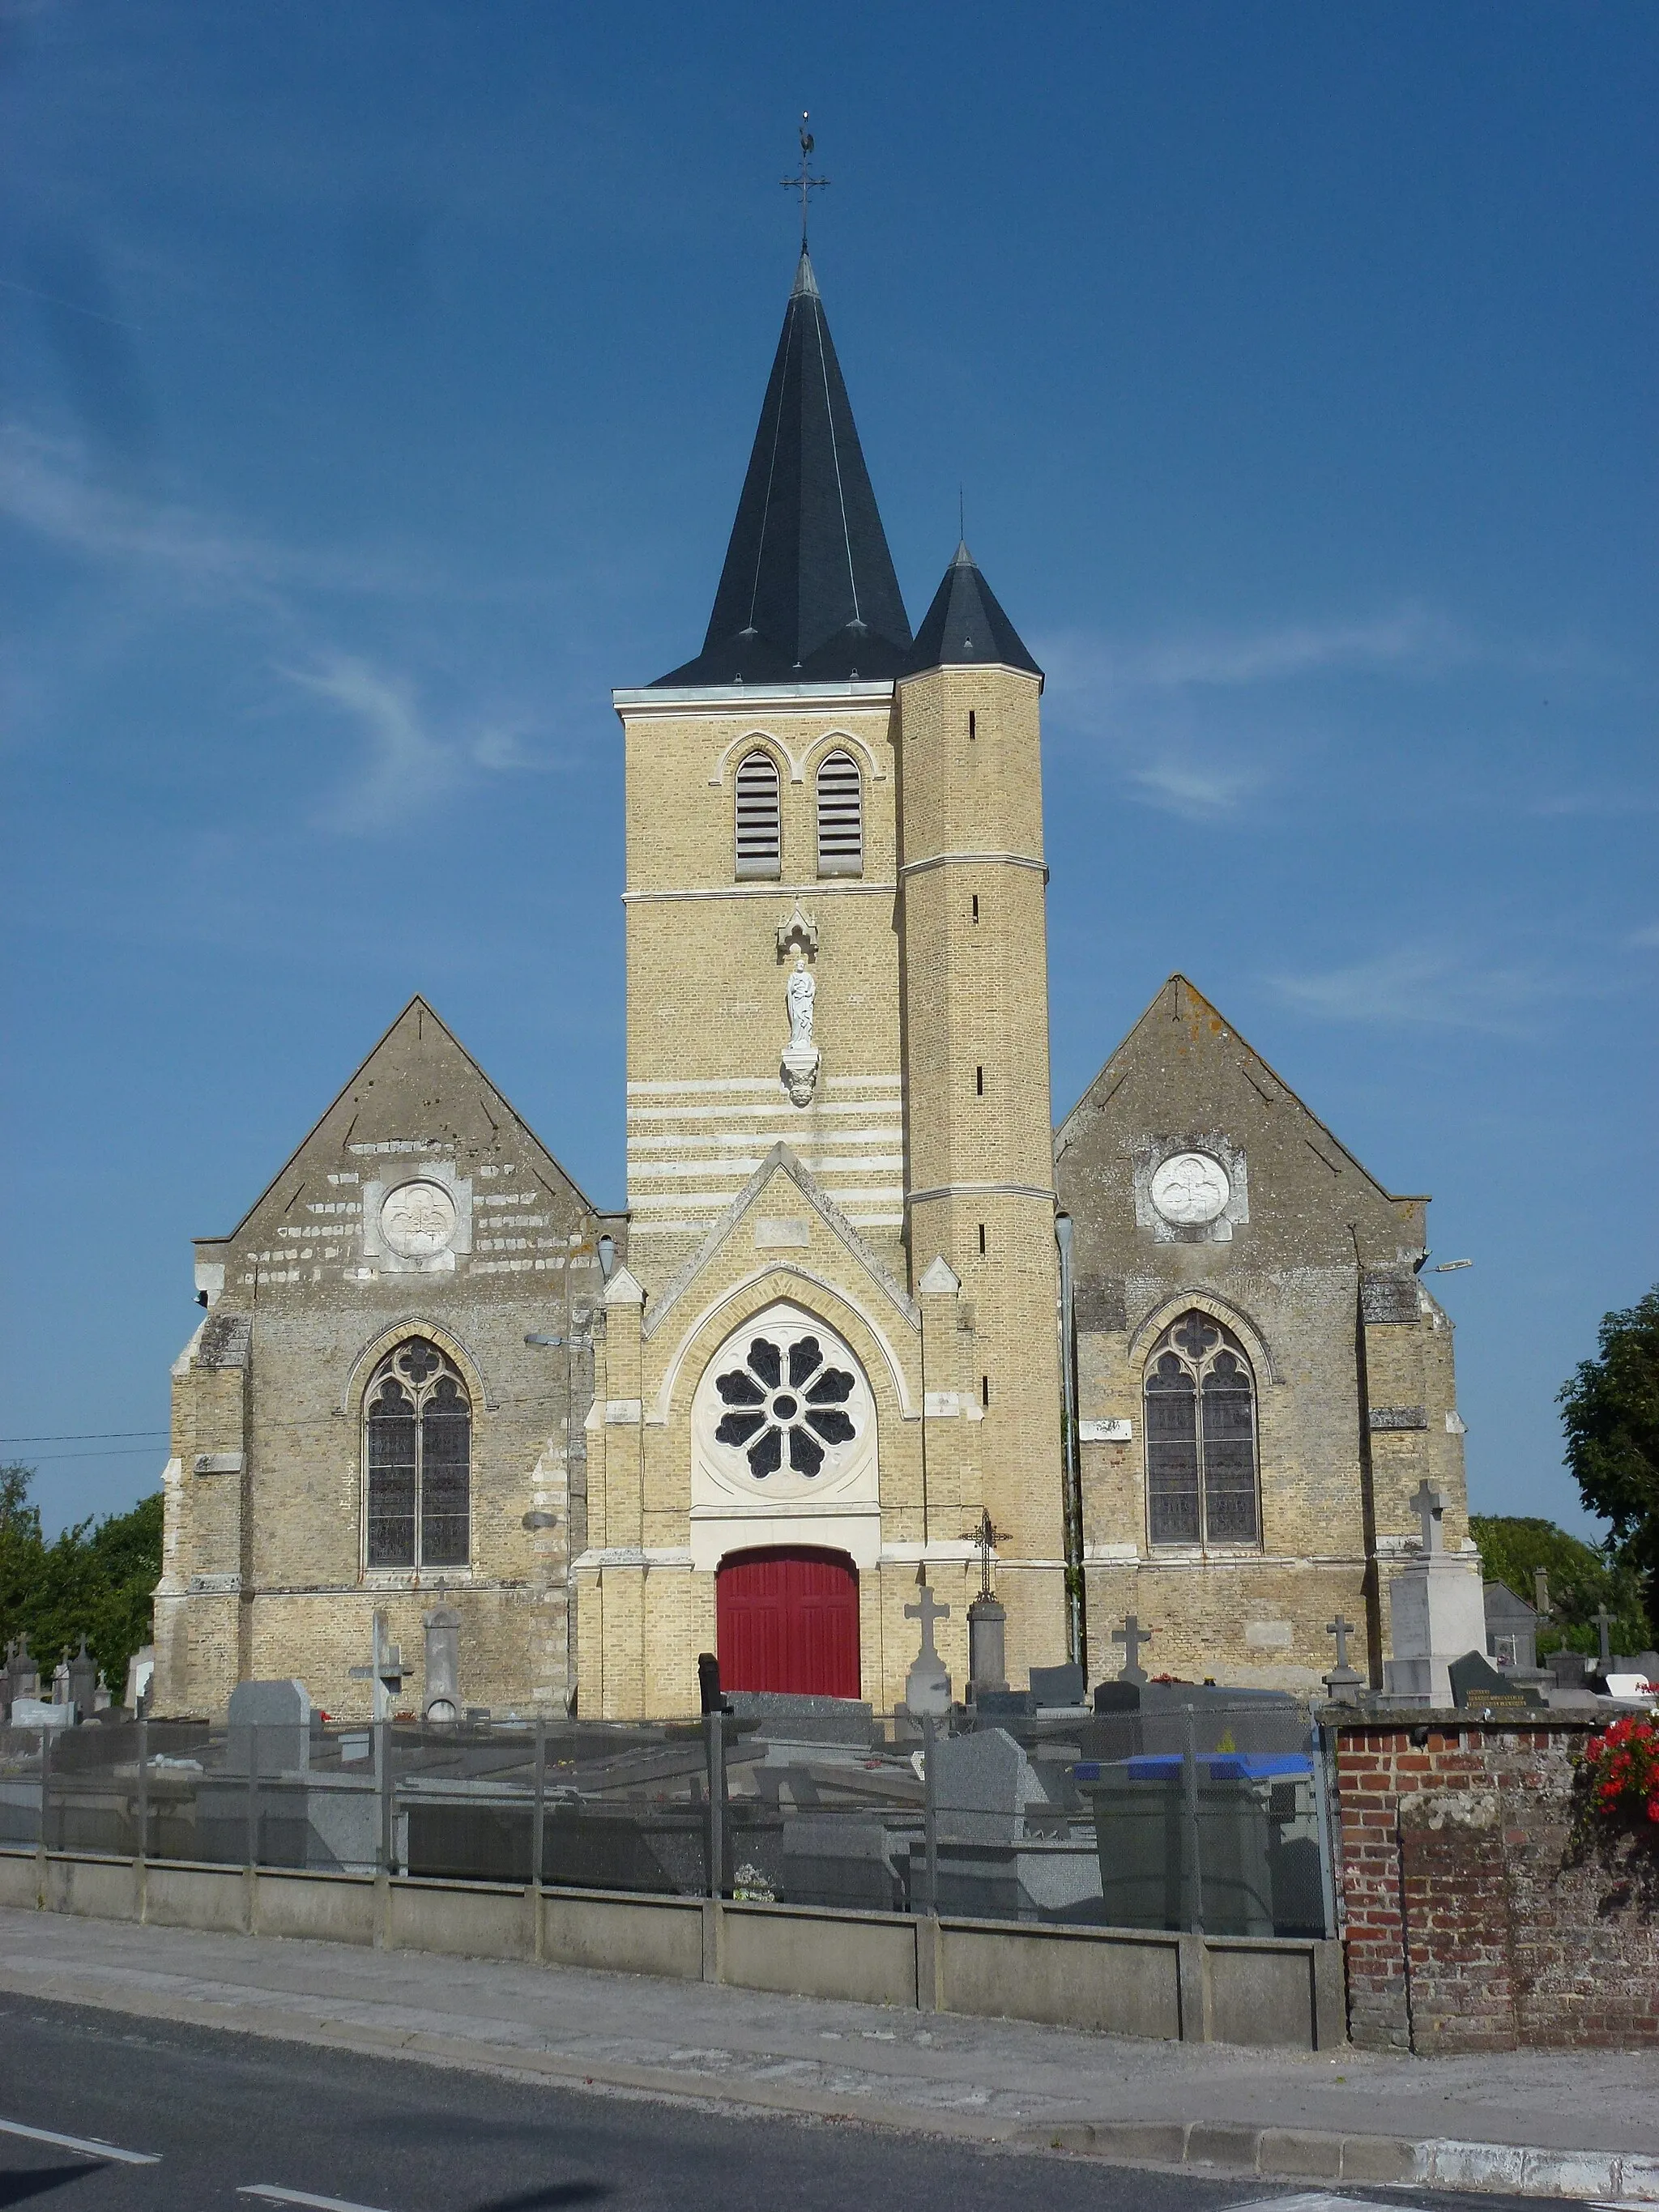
pixel 376 382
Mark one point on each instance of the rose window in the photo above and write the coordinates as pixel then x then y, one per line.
pixel 784 1403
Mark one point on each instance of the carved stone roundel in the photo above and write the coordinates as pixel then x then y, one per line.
pixel 1190 1189
pixel 417 1220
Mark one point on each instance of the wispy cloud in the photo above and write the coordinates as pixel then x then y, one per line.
pixel 409 760
pixel 1645 939
pixel 1197 792
pixel 48 486
pixel 1410 640
pixel 1421 986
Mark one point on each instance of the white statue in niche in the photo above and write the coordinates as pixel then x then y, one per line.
pixel 799 1069
pixel 798 994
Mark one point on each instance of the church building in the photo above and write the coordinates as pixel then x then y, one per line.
pixel 865 1321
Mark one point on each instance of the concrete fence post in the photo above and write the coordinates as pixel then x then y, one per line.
pixel 40 1832
pixel 142 1857
pixel 538 1836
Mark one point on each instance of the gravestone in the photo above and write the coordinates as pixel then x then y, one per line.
pixel 39 1713
pixel 1057 1686
pixel 84 1682
pixel 1004 1704
pixel 927 1686
pixel 1437 1612
pixel 983 1784
pixel 141 1675
pixel 988 1629
pixel 1344 1683
pixel 281 1711
pixel 782 1716
pixel 1511 1628
pixel 1117 1697
pixel 386 1669
pixel 1131 1636
pixel 1570 1669
pixel 1477 1687
pixel 443 1664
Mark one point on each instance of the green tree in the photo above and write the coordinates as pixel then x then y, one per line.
pixel 1582 1580
pixel 94 1581
pixel 1610 1411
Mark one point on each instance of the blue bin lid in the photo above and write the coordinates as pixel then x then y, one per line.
pixel 1224 1766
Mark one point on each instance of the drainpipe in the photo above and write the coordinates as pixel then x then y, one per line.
pixel 1076 1644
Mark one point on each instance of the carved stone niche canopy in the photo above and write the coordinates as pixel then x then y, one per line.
pixel 783 1442
pixel 417 1216
pixel 1190 1190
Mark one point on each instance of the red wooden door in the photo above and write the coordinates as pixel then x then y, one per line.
pixel 789 1621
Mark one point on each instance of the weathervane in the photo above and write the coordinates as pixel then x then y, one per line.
pixel 806 182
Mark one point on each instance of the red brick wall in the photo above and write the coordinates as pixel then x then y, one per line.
pixel 1474 1922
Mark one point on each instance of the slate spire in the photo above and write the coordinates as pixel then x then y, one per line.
pixel 965 626
pixel 808 593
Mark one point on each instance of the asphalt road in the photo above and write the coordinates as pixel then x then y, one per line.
pixel 234 2121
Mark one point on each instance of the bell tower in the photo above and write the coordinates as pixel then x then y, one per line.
pixel 975 1025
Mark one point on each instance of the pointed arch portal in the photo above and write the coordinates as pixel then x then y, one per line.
pixel 788 1620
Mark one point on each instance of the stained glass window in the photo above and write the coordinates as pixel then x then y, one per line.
pixel 419 1423
pixel 1200 1436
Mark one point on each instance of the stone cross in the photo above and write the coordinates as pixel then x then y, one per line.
pixel 1131 1636
pixel 927 1686
pixel 1342 1630
pixel 386 1670
pixel 1541 1593
pixel 1428 1505
pixel 1603 1620
pixel 927 1610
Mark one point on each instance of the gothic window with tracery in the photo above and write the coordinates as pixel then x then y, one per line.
pixel 841 817
pixel 785 1402
pixel 1202 1485
pixel 759 817
pixel 418 1422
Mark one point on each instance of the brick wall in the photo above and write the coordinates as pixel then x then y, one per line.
pixel 1475 1920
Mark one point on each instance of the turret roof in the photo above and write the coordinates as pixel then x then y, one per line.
pixel 965 626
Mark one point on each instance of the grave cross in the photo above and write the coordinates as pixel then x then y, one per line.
pixel 1342 1630
pixel 1603 1620
pixel 386 1670
pixel 1131 1636
pixel 1428 1505
pixel 927 1610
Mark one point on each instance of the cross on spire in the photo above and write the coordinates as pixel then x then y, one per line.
pixel 1131 1636
pixel 806 182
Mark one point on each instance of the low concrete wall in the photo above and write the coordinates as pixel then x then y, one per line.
pixel 470 1920
pixel 197 1897
pixel 866 1958
pixel 98 1889
pixel 620 1933
pixel 1121 1981
pixel 332 1908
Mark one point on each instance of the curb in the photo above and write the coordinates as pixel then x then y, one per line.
pixel 1628 2178
pixel 1306 2154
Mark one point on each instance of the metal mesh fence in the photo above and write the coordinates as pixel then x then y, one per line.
pixel 1196 1812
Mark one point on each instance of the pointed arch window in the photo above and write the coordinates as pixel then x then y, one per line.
pixel 417 1423
pixel 1201 1465
pixel 841 816
pixel 759 817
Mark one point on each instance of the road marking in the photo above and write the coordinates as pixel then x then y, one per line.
pixel 87 2145
pixel 271 2194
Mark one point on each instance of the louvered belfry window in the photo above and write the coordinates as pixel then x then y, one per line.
pixel 841 817
pixel 419 1424
pixel 759 820
pixel 1200 1436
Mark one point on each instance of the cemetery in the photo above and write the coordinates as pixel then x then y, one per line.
pixel 1160 1857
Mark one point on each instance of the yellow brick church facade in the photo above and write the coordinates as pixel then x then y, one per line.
pixel 860 1325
